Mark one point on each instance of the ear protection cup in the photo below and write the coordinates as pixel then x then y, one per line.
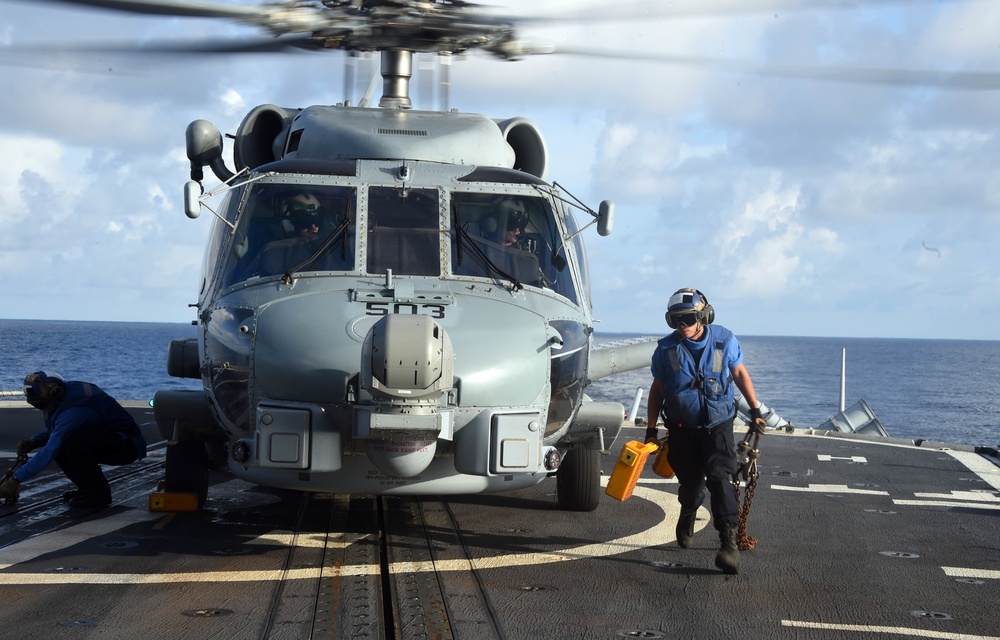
pixel 42 388
pixel 707 312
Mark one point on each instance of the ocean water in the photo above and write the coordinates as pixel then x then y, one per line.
pixel 946 390
pixel 943 390
pixel 127 360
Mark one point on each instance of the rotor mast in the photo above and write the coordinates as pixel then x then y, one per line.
pixel 397 69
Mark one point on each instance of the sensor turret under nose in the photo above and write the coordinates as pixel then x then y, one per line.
pixel 407 366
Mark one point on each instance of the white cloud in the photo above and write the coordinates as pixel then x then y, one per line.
pixel 817 193
pixel 233 103
pixel 30 154
pixel 766 248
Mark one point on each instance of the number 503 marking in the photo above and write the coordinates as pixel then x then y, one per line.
pixel 385 308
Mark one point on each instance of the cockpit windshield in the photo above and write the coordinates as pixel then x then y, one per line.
pixel 286 229
pixel 511 237
pixel 403 233
pixel 289 228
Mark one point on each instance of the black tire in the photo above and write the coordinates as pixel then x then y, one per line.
pixel 186 469
pixel 578 481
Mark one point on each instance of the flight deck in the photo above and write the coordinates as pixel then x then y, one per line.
pixel 855 539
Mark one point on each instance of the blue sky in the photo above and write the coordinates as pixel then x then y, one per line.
pixel 799 207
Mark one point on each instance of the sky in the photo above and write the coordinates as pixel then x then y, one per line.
pixel 799 207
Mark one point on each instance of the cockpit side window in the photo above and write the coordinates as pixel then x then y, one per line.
pixel 291 228
pixel 403 232
pixel 509 237
pixel 573 229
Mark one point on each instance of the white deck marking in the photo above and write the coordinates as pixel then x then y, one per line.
pixel 980 499
pixel 36 546
pixel 831 488
pixel 869 628
pixel 972 496
pixel 946 503
pixel 980 466
pixel 822 457
pixel 660 533
pixel 961 572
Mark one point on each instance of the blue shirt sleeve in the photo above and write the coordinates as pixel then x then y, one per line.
pixel 734 354
pixel 656 365
pixel 74 418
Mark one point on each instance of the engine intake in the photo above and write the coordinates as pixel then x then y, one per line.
pixel 262 136
pixel 530 152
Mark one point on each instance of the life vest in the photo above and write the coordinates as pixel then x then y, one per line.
pixel 698 393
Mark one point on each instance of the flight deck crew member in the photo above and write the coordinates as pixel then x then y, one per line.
pixel 694 369
pixel 84 428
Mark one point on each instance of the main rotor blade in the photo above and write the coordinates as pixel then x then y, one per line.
pixel 287 44
pixel 186 9
pixel 679 9
pixel 953 80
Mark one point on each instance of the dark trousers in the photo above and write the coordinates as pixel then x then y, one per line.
pixel 83 452
pixel 706 459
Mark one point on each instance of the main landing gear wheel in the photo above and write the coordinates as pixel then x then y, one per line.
pixel 186 469
pixel 578 481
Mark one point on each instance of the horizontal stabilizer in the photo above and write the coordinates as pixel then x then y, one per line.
pixel 856 419
pixel 774 421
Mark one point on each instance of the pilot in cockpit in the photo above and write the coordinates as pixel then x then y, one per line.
pixel 301 224
pixel 511 216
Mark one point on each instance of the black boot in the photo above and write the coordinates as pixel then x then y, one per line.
pixel 728 558
pixel 685 528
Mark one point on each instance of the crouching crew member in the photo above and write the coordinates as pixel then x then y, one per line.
pixel 694 369
pixel 84 428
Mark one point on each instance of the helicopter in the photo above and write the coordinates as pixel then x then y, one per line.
pixel 393 301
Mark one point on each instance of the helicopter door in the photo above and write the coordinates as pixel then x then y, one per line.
pixel 403 231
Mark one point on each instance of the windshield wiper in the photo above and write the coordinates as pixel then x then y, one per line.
pixel 340 232
pixel 484 260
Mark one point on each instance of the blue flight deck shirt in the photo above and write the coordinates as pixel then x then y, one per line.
pixel 84 406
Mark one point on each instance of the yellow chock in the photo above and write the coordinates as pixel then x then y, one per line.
pixel 178 501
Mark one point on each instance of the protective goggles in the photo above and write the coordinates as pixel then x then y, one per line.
pixel 302 207
pixel 683 320
pixel 33 385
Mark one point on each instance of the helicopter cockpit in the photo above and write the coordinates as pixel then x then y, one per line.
pixel 291 228
pixel 287 229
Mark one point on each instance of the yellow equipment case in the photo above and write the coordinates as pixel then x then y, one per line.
pixel 661 466
pixel 628 468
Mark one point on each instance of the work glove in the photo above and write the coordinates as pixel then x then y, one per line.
pixel 757 422
pixel 26 445
pixel 650 435
pixel 10 490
